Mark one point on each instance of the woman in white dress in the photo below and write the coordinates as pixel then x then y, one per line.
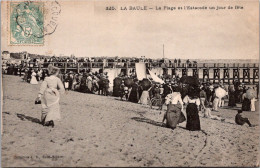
pixel 39 74
pixel 33 79
pixel 50 97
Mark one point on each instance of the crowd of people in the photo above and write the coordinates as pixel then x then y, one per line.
pixel 177 94
pixel 94 62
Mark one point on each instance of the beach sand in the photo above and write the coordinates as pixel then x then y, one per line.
pixel 104 131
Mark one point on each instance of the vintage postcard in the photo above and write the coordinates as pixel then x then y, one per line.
pixel 105 83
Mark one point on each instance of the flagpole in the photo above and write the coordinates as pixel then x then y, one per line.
pixel 163 52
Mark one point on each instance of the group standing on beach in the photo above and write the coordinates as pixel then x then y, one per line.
pixel 173 93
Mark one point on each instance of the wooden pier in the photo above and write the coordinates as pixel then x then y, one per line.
pixel 247 73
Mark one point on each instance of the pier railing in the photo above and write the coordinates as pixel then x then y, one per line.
pixel 227 72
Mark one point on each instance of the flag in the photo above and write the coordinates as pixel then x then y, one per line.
pixel 155 78
pixel 140 69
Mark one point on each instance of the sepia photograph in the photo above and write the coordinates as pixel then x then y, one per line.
pixel 130 83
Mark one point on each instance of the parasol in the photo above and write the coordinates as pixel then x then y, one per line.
pixel 146 84
pixel 250 93
pixel 189 80
pixel 220 92
pixel 129 82
pixel 117 82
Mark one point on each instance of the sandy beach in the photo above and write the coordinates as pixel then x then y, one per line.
pixel 104 131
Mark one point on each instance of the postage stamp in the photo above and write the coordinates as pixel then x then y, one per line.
pixel 26 23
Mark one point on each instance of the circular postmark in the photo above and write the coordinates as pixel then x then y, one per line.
pixel 52 13
pixel 30 21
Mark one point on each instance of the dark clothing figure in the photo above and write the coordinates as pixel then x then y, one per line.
pixel 134 94
pixel 232 99
pixel 83 85
pixel 238 93
pixel 70 82
pixel 246 104
pixel 43 75
pixel 106 87
pixel 241 121
pixel 208 94
pixel 15 71
pixel 166 90
pixel 29 76
pixel 193 121
pixel 37 76
pixel 173 115
pixel 116 87
pixel 184 92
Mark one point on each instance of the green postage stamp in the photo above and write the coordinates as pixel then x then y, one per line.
pixel 26 23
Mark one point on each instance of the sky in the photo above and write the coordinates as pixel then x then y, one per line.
pixel 86 29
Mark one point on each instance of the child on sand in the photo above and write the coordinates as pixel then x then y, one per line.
pixel 241 120
pixel 207 113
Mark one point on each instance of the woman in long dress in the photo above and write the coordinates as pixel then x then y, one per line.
pixel 33 79
pixel 134 94
pixel 192 112
pixel 246 103
pixel 232 96
pixel 50 97
pixel 156 99
pixel 145 98
pixel 174 113
pixel 25 75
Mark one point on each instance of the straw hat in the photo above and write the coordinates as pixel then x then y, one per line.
pixel 52 69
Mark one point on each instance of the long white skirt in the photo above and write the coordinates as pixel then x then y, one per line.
pixel 33 81
pixel 145 99
pixel 50 105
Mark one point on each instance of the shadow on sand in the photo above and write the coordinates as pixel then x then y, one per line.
pixel 149 121
pixel 22 117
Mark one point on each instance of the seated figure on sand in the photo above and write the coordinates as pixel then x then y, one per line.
pixel 206 113
pixel 241 120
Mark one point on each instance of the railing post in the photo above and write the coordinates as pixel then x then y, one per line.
pixel 65 67
pixel 228 74
pixel 103 67
pixel 127 73
pixel 90 65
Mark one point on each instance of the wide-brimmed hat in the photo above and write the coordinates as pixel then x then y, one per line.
pixel 52 69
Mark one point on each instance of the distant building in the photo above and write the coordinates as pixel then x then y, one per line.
pixel 5 55
pixel 20 55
